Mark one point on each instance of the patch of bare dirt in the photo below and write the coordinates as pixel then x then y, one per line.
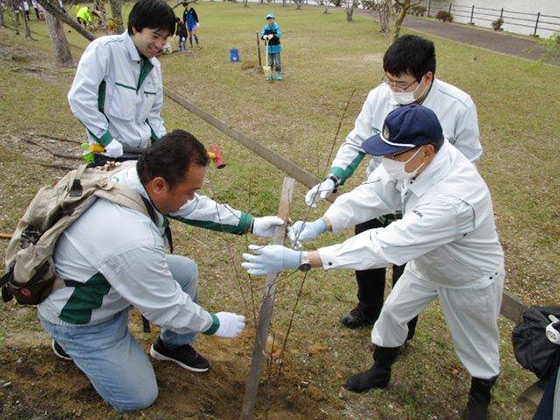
pixel 34 383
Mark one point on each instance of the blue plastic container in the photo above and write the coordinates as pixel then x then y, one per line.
pixel 234 55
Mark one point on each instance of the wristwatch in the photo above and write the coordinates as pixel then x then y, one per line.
pixel 305 264
pixel 335 180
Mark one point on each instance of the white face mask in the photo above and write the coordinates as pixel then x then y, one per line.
pixel 396 169
pixel 406 98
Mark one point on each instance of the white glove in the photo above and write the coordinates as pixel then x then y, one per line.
pixel 319 192
pixel 304 231
pixel 231 324
pixel 265 226
pixel 197 25
pixel 270 259
pixel 114 149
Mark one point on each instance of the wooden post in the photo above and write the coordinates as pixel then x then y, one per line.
pixel 259 49
pixel 265 312
pixel 537 23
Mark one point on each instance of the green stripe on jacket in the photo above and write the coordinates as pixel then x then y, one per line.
pixel 84 299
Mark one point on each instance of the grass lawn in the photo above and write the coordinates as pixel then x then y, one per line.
pixel 324 59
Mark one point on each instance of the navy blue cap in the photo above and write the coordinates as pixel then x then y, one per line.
pixel 270 16
pixel 405 128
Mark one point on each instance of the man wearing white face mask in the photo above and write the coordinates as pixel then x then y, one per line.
pixel 447 235
pixel 409 65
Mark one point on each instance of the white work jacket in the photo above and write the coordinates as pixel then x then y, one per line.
pixel 447 227
pixel 454 108
pixel 119 256
pixel 117 94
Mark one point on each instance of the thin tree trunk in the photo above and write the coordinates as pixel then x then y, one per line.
pixel 59 13
pixel 398 19
pixel 27 28
pixel 2 23
pixel 59 43
pixel 15 14
pixel 116 12
pixel 326 6
pixel 349 10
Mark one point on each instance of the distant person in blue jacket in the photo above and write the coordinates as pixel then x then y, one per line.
pixel 191 22
pixel 271 32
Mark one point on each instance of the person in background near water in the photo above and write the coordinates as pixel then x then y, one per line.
pixel 272 33
pixel 190 19
pixel 117 93
pixel 447 238
pixel 182 34
pixel 410 66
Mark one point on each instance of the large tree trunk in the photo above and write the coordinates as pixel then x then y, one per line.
pixel 59 13
pixel 117 14
pixel 60 46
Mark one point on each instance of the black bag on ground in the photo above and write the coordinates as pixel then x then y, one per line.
pixel 531 347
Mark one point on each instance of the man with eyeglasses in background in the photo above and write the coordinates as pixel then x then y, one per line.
pixel 409 65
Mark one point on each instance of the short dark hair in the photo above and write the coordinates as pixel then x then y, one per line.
pixel 171 157
pixel 410 54
pixel 437 144
pixel 153 14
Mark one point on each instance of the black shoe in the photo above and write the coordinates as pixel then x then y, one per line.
pixel 59 351
pixel 479 399
pixel 185 356
pixel 358 317
pixel 377 376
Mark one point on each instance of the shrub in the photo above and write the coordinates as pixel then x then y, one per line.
pixel 497 24
pixel 444 16
pixel 337 3
pixel 418 10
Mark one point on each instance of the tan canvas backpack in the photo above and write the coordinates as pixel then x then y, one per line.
pixel 30 272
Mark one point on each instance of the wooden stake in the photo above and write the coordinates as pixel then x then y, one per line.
pixel 265 312
pixel 259 49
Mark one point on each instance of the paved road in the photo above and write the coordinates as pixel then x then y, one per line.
pixel 495 41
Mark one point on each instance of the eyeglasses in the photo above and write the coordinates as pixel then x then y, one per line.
pixel 397 86
pixel 395 155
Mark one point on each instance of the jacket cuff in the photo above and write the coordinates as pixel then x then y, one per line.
pixel 215 325
pixel 105 139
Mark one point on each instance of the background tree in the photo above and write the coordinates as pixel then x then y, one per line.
pixel 2 8
pixel 116 11
pixel 299 3
pixel 398 13
pixel 55 10
pixel 350 4
pixel 59 43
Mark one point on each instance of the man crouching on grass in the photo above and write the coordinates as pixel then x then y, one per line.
pixel 116 258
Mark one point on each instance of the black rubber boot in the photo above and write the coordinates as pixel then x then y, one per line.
pixel 378 375
pixel 479 399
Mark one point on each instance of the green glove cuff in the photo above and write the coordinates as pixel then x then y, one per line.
pixel 215 325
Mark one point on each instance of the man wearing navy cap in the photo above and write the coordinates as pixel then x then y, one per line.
pixel 447 235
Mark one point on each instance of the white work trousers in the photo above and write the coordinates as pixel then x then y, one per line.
pixel 470 314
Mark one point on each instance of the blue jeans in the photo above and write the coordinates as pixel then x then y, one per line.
pixel 112 359
pixel 274 62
